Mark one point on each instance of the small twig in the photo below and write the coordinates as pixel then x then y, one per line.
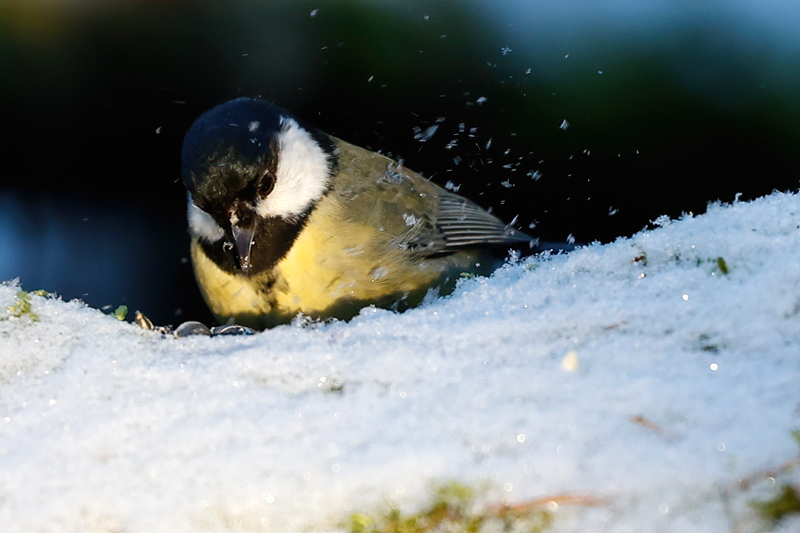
pixel 639 420
pixel 583 500
pixel 745 482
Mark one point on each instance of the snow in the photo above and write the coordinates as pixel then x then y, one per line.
pixel 636 372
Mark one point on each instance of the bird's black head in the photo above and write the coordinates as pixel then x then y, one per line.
pixel 227 146
pixel 253 173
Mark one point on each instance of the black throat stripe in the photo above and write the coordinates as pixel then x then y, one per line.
pixel 273 239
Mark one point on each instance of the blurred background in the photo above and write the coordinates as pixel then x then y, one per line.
pixel 584 118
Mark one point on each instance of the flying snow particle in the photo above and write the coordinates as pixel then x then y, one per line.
pixel 423 136
pixel 410 219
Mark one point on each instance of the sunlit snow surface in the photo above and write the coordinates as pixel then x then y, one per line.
pixel 105 426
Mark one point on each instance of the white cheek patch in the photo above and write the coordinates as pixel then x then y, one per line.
pixel 302 175
pixel 202 225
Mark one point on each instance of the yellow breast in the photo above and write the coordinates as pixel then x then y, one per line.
pixel 335 267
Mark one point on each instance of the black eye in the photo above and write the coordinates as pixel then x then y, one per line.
pixel 266 185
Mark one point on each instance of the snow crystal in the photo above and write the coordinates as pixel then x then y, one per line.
pixel 570 374
pixel 424 135
pixel 410 219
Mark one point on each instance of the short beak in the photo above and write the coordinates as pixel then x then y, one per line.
pixel 243 240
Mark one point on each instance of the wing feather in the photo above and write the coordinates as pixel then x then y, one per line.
pixel 464 223
pixel 413 213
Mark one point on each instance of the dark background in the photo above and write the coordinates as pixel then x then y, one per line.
pixel 670 105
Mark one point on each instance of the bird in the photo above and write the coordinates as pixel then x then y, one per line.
pixel 286 220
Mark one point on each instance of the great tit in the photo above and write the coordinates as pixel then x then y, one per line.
pixel 285 219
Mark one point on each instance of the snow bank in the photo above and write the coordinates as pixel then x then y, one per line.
pixel 687 379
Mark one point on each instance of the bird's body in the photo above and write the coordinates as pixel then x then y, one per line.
pixel 317 226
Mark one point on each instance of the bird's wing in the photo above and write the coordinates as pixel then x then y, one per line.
pixel 413 213
pixel 464 223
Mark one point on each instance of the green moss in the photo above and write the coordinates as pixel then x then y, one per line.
pixel 361 522
pixel 718 263
pixel 334 387
pixel 22 307
pixel 705 344
pixel 786 502
pixel 450 506
pixel 453 508
pixel 722 266
pixel 121 312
